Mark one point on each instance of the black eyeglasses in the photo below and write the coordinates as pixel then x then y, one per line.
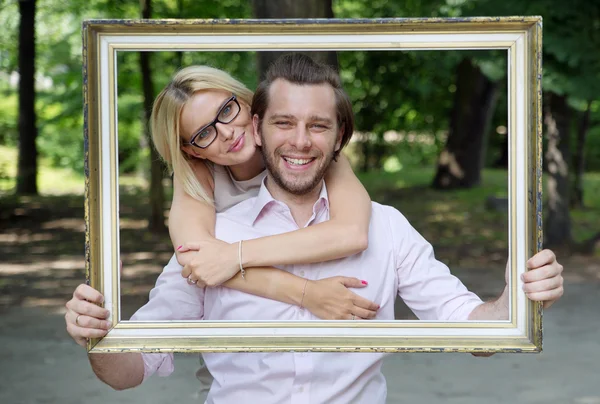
pixel 207 134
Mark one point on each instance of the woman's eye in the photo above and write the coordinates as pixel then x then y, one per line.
pixel 204 134
pixel 226 111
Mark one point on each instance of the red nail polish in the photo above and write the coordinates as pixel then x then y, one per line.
pixel 179 248
pixel 364 282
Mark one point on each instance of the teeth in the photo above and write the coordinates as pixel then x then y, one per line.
pixel 298 162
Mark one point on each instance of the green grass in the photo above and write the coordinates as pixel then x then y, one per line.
pixel 51 180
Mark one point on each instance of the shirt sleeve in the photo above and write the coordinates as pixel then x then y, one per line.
pixel 172 298
pixel 424 283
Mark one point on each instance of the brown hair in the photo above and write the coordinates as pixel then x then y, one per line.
pixel 301 69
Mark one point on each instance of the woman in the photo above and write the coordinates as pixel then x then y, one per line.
pixel 202 128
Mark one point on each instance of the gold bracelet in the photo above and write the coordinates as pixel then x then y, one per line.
pixel 242 270
pixel 303 292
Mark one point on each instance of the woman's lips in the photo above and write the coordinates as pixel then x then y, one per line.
pixel 238 144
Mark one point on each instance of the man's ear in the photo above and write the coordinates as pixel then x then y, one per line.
pixel 338 143
pixel 256 131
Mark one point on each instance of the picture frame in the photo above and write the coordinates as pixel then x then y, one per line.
pixel 520 37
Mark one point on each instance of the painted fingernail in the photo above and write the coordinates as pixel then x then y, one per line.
pixel 101 299
pixel 364 282
pixel 107 324
pixel 179 248
pixel 522 277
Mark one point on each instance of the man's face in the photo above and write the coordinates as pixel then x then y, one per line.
pixel 299 134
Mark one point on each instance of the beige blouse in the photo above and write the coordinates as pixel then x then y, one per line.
pixel 229 191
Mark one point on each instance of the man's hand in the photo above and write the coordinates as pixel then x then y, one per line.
pixel 543 282
pixel 214 262
pixel 84 318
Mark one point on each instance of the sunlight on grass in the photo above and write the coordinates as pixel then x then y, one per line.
pixel 51 180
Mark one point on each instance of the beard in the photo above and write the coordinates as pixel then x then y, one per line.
pixel 300 184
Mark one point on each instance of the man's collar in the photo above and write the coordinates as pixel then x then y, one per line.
pixel 264 199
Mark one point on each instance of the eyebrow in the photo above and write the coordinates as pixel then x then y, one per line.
pixel 311 118
pixel 213 121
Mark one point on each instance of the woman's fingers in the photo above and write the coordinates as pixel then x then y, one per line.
pixel 190 246
pixel 364 303
pixel 352 282
pixel 363 314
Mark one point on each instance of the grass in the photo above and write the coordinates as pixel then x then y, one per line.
pixel 51 180
pixel 458 223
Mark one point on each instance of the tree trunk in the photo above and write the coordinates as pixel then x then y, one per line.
pixel 292 9
pixel 27 162
pixel 557 120
pixel 461 161
pixel 156 221
pixel 579 158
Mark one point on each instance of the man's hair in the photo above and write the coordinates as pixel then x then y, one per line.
pixel 301 69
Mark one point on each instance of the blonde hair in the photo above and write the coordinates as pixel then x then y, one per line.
pixel 166 114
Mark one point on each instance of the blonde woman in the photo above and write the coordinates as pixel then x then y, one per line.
pixel 202 128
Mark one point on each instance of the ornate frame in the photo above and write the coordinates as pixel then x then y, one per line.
pixel 521 37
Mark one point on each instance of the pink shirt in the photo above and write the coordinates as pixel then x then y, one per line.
pixel 398 261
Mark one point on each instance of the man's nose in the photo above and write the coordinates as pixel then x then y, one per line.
pixel 224 130
pixel 301 138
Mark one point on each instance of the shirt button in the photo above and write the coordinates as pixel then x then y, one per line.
pixel 301 389
pixel 301 273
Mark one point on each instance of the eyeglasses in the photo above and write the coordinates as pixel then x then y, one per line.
pixel 207 134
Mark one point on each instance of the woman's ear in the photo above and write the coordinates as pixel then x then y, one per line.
pixel 256 131
pixel 192 152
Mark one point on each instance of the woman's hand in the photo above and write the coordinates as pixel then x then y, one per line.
pixel 330 299
pixel 84 318
pixel 213 263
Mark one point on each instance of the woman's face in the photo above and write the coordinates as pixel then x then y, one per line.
pixel 234 141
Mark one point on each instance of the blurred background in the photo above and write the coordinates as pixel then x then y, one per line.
pixel 431 140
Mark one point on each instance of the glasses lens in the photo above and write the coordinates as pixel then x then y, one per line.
pixel 229 112
pixel 205 137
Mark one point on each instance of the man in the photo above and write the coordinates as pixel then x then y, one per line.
pixel 298 125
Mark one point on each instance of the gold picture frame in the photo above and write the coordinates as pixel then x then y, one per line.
pixel 520 37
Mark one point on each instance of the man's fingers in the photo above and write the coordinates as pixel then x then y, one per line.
pixel 352 282
pixel 80 332
pixel 89 309
pixel 541 273
pixel 540 259
pixel 548 295
pixel 91 322
pixel 543 285
pixel 86 292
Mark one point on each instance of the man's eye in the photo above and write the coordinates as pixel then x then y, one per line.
pixel 319 126
pixel 282 123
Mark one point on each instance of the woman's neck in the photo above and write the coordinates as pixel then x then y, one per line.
pixel 249 169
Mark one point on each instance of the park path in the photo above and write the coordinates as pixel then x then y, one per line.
pixel 40 364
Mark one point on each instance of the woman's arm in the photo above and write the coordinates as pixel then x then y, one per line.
pixel 327 298
pixel 347 231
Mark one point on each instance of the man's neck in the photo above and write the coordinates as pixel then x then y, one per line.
pixel 301 206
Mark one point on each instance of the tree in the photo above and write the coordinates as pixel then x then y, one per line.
pixel 27 164
pixel 292 9
pixel 557 119
pixel 156 222
pixel 461 161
